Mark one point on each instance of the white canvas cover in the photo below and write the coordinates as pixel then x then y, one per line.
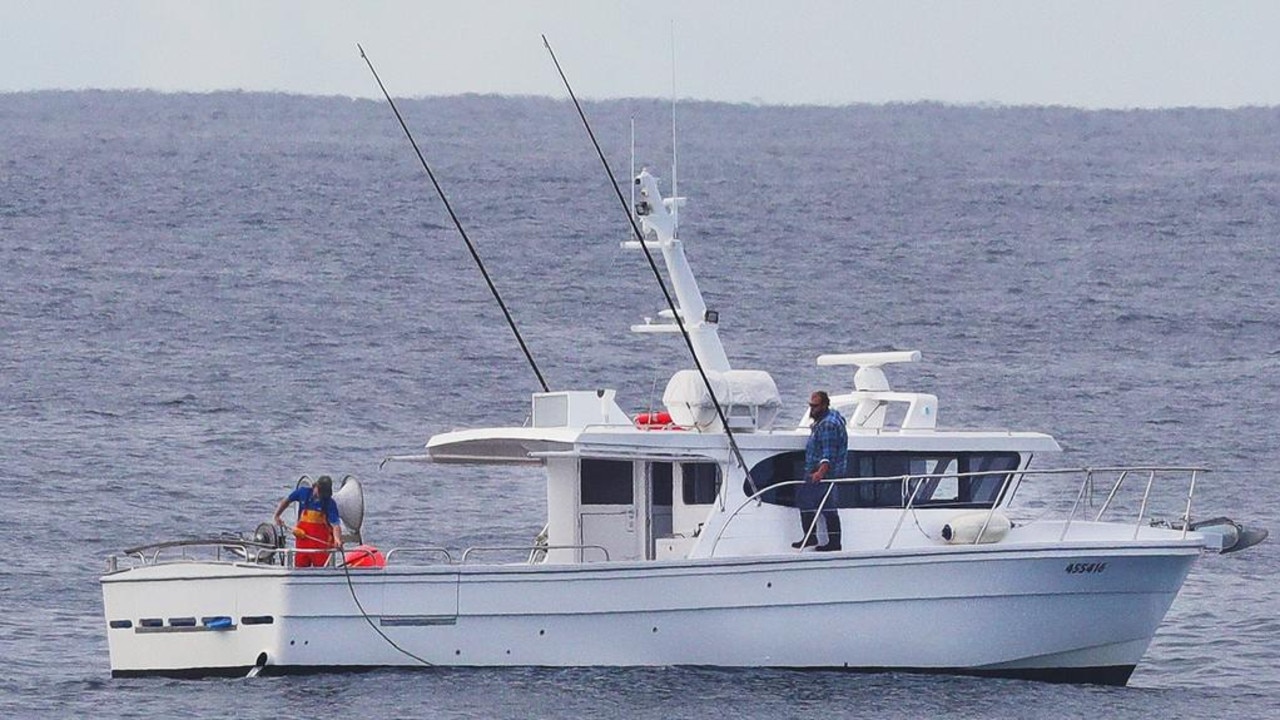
pixel 749 398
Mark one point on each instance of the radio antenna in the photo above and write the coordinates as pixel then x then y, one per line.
pixel 633 167
pixel 675 187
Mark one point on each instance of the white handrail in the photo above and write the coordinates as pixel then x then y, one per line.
pixel 252 552
pixel 432 550
pixel 1001 499
pixel 510 548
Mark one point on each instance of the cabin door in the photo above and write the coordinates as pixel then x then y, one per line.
pixel 608 532
pixel 658 496
pixel 607 510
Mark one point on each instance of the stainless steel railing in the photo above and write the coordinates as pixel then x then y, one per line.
pixel 240 550
pixel 1011 482
pixel 232 551
pixel 521 548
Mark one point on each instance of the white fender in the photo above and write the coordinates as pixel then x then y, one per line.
pixel 963 529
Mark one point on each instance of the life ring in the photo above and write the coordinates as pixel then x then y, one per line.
pixel 656 421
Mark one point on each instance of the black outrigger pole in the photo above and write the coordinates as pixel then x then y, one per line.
pixel 458 224
pixel 653 265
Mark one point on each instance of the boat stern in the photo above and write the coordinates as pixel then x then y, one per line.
pixel 192 619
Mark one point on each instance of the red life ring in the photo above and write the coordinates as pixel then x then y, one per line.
pixel 656 421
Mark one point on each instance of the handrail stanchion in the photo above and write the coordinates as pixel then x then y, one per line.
pixel 1151 478
pixel 539 541
pixel 1186 516
pixel 906 480
pixel 1088 477
pixel 1111 495
pixel 992 512
pixel 1007 500
pixel 813 527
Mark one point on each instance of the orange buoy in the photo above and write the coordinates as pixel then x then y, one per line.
pixel 365 556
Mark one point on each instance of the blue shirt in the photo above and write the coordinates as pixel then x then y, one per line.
pixel 827 441
pixel 308 499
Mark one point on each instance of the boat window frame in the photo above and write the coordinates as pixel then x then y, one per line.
pixel 891 493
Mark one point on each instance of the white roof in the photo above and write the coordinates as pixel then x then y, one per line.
pixel 530 445
pixel 500 445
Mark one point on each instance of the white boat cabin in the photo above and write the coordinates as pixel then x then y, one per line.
pixel 624 489
pixel 670 487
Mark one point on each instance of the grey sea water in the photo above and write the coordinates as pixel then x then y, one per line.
pixel 203 297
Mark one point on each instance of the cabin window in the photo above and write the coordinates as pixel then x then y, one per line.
pixel 942 489
pixel 606 482
pixel 660 473
pixel 985 490
pixel 700 483
pixel 773 470
pixel 948 489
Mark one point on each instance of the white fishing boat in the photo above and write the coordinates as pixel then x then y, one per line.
pixel 668 541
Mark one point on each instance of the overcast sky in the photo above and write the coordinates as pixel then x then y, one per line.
pixel 1086 53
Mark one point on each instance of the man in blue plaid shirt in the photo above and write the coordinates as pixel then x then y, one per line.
pixel 825 456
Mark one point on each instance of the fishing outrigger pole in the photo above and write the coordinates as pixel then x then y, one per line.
pixel 475 255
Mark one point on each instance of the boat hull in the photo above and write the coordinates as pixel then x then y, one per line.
pixel 1074 613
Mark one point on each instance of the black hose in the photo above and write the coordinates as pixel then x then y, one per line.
pixel 352 587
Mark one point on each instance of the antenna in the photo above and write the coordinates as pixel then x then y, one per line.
pixel 633 167
pixel 675 187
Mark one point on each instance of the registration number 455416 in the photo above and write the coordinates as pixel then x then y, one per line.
pixel 1085 568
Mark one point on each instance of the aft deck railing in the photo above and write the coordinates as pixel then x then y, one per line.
pixel 242 548
pixel 1013 480
pixel 242 551
pixel 448 557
